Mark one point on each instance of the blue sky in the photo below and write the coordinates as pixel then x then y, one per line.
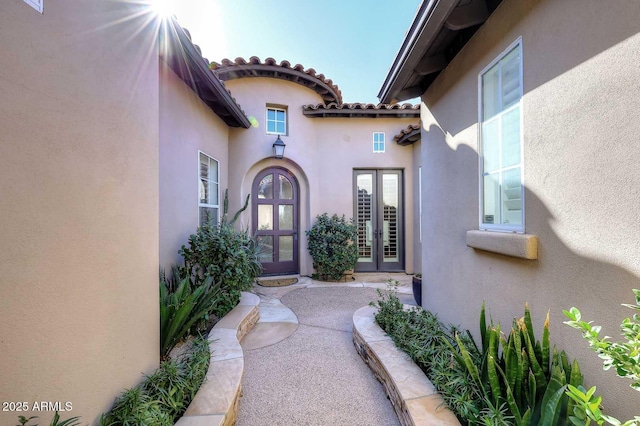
pixel 352 42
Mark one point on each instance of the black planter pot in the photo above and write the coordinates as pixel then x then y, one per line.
pixel 417 290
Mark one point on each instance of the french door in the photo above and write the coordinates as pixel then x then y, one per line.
pixel 379 210
pixel 275 220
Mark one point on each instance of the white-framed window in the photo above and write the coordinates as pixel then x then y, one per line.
pixel 276 120
pixel 500 117
pixel 208 189
pixel 378 142
pixel 36 4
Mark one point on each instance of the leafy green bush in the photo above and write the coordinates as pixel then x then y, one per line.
pixel 428 342
pixel 184 307
pixel 228 256
pixel 624 357
pixel 164 395
pixel 331 245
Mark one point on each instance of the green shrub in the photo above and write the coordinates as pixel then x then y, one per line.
pixel 228 256
pixel 164 395
pixel 522 382
pixel 428 342
pixel 509 380
pixel 184 307
pixel 624 357
pixel 331 245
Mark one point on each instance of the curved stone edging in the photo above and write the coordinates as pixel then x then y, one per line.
pixel 216 402
pixel 412 395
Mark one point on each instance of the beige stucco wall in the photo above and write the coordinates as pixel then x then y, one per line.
pixel 187 125
pixel 79 205
pixel 321 153
pixel 582 196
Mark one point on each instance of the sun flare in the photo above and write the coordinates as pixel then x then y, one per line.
pixel 163 8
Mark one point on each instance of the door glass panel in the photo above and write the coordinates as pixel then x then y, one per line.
pixel 285 248
pixel 285 217
pixel 265 188
pixel 286 189
pixel 364 216
pixel 390 216
pixel 266 248
pixel 265 217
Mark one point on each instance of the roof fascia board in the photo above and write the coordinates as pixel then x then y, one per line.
pixel 430 18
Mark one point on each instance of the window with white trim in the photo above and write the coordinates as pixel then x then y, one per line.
pixel 36 4
pixel 378 142
pixel 208 188
pixel 500 118
pixel 276 121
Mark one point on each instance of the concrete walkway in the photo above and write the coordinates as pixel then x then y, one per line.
pixel 301 367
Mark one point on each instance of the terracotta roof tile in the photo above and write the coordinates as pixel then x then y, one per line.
pixel 334 109
pixel 408 135
pixel 254 67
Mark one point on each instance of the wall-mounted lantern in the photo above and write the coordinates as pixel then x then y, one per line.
pixel 278 148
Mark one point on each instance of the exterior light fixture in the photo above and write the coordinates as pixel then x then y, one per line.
pixel 278 148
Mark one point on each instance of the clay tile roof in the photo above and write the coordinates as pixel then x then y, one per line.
pixel 334 109
pixel 409 135
pixel 254 67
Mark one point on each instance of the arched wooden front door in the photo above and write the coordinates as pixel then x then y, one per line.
pixel 275 220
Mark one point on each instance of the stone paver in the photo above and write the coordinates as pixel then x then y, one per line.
pixel 314 376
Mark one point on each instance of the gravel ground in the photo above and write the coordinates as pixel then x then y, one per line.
pixel 315 377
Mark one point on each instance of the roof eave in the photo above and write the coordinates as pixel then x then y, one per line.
pixel 440 29
pixel 430 17
pixel 193 69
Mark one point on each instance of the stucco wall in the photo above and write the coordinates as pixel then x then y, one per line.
pixel 187 125
pixel 79 205
pixel 321 152
pixel 581 98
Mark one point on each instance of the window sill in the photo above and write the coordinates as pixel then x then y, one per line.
pixel 524 246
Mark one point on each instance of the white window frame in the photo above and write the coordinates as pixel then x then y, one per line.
pixel 384 143
pixel 216 206
pixel 266 115
pixel 520 228
pixel 36 4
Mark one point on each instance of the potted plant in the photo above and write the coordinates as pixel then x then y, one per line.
pixel 417 288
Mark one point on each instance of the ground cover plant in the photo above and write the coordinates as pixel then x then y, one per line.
pixel 164 395
pixel 428 342
pixel 510 379
pixel 331 244
pixel 55 421
pixel 623 356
